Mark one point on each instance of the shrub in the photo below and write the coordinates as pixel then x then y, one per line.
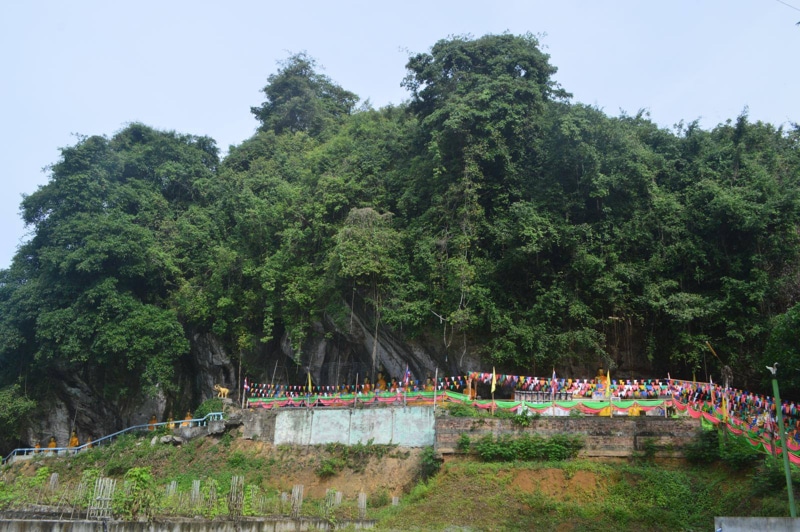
pixel 430 464
pixel 7 496
pixel 769 477
pixel 704 449
pixel 237 459
pixel 462 410
pixel 379 499
pixel 649 448
pixel 208 406
pixel 463 443
pixel 528 448
pixel 329 467
pixel 737 453
pixel 137 498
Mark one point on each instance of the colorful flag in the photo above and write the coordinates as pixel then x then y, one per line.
pixel 725 406
pixel 608 384
pixel 711 385
pixel 494 379
pixel 407 378
pixel 553 385
pixel 246 386
pixel 309 381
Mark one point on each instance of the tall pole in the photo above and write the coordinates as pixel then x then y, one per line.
pixel 779 415
pixel 435 382
pixel 272 382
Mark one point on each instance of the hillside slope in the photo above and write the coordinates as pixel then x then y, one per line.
pixel 573 495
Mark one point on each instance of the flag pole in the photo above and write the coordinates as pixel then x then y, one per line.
pixel 494 384
pixel 406 382
pixel 669 388
pixel 435 380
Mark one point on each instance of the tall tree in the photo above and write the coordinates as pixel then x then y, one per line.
pixel 301 99
pixel 91 291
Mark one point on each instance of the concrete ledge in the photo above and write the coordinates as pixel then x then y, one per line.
pixel 762 524
pixel 181 525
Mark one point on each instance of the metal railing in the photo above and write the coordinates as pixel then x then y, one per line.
pixel 66 451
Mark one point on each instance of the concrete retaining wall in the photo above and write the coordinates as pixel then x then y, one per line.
pixel 417 427
pixel 762 524
pixel 603 436
pixel 408 427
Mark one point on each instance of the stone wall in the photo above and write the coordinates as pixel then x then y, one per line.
pixel 603 436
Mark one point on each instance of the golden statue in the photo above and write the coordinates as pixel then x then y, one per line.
pixel 73 440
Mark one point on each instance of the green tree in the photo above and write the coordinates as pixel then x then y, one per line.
pixel 300 99
pixel 91 290
pixel 366 252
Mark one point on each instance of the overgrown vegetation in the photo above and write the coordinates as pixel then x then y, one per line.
pixel 504 495
pixel 429 464
pixel 528 448
pixel 579 495
pixel 711 445
pixel 207 407
pixel 489 210
pixel 353 457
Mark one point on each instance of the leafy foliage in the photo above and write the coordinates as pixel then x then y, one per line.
pixel 300 99
pixel 15 408
pixel 489 213
pixel 207 407
pixel 429 464
pixel 527 448
pixel 138 498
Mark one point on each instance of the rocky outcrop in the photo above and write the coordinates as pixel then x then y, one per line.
pixel 338 353
pixel 74 404
pixel 210 364
pixel 71 404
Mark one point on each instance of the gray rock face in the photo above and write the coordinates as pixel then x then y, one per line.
pixel 212 365
pixel 72 405
pixel 75 404
pixel 337 353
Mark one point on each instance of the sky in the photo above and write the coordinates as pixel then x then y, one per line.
pixel 92 67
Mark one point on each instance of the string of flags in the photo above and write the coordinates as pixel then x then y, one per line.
pixel 551 384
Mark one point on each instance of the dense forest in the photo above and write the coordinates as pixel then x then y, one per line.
pixel 489 212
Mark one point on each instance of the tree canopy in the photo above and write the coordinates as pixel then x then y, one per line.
pixel 533 230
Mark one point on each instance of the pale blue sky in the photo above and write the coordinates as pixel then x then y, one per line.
pixel 90 67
